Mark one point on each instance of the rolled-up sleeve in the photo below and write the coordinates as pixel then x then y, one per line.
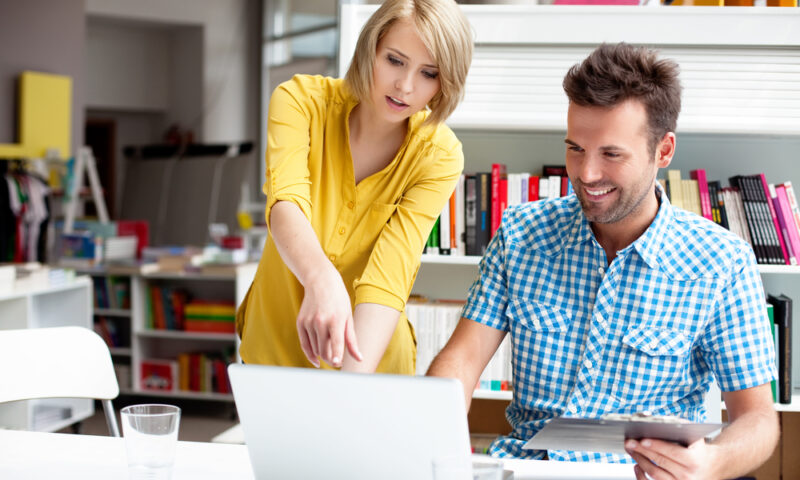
pixel 394 262
pixel 288 145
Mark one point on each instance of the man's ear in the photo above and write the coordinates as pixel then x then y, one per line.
pixel 665 150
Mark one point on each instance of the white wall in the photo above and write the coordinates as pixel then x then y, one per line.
pixel 230 58
pixel 127 67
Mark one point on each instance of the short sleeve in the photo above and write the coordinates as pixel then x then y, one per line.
pixel 488 296
pixel 737 342
pixel 288 146
pixel 394 262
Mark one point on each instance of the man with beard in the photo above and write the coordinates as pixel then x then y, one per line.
pixel 617 302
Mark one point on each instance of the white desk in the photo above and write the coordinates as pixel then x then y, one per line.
pixel 34 455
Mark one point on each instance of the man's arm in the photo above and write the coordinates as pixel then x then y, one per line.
pixel 466 354
pixel 743 445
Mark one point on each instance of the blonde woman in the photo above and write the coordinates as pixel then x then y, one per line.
pixel 357 172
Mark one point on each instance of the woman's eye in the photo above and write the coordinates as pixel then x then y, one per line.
pixel 394 60
pixel 430 75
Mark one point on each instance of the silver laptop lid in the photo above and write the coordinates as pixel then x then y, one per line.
pixel 305 424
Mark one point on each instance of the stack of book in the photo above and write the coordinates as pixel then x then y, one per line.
pixel 204 372
pixel 165 308
pixel 471 218
pixel 766 215
pixel 434 322
pixel 112 292
pixel 209 316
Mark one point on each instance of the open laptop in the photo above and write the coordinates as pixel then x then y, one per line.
pixel 306 424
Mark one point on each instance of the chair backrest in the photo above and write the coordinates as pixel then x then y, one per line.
pixel 57 362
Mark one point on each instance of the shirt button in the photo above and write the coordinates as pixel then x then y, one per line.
pixel 601 270
pixel 350 205
pixel 341 230
pixel 587 363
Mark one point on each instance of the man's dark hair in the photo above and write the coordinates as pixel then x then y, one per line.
pixel 614 73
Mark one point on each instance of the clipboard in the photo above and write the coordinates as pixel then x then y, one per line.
pixel 601 435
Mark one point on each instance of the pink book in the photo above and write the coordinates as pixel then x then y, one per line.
pixel 792 197
pixel 785 201
pixel 784 214
pixel 702 186
pixel 774 216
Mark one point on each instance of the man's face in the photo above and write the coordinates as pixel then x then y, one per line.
pixel 609 164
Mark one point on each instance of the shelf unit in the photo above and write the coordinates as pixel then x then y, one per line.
pixel 69 304
pixel 146 343
pixel 741 107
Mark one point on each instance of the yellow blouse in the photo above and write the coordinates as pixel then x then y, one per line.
pixel 373 232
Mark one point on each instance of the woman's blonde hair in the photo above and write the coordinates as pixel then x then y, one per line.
pixel 443 29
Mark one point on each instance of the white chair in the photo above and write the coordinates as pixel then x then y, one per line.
pixel 57 362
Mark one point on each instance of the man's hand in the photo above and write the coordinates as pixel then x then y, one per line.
pixel 661 460
pixel 325 320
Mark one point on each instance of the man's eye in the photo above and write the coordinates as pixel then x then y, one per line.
pixel 573 148
pixel 612 155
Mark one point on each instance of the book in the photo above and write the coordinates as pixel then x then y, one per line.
pixel 718 203
pixel 699 175
pixel 774 329
pixel 533 188
pixel 675 187
pixel 786 222
pixel 484 200
pixel 444 230
pixel 761 205
pixel 471 215
pixel 457 210
pixel 498 193
pixel 751 220
pixel 792 198
pixel 158 375
pixel 766 196
pixel 691 195
pixel 782 310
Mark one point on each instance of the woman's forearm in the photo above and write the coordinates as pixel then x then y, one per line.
pixel 374 327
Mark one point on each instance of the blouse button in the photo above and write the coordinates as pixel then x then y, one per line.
pixel 350 205
pixel 341 230
pixel 332 257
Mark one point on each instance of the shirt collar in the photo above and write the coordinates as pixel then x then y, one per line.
pixel 647 245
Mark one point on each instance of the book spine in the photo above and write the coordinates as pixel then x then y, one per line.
pixel 784 211
pixel 705 197
pixel 760 201
pixel 792 197
pixel 471 215
pixel 751 221
pixel 675 187
pixel 766 196
pixel 533 188
pixel 498 173
pixel 461 236
pixel 484 210
pixel 444 230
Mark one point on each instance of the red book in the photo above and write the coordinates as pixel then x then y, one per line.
pixel 564 187
pixel 137 228
pixel 533 188
pixel 158 375
pixel 705 197
pixel 156 301
pixel 453 245
pixel 208 326
pixel 499 172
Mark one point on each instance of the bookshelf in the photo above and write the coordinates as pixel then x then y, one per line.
pixel 741 104
pixel 147 343
pixel 62 305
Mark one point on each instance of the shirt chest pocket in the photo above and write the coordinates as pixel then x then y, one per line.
pixel 653 362
pixel 372 224
pixel 537 317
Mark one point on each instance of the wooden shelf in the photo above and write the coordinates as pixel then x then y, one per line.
pixel 221 397
pixel 182 335
pixel 506 395
pixel 112 312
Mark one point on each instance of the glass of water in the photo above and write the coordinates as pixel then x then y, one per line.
pixel 151 434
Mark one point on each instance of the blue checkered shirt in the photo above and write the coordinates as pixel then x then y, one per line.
pixel 680 306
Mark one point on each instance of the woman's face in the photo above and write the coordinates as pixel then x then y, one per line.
pixel 404 77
